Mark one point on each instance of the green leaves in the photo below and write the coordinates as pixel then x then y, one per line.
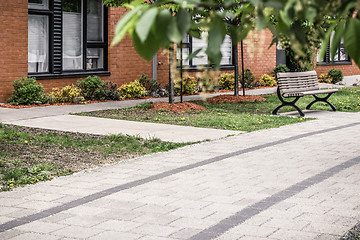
pixel 216 37
pixel 352 39
pixel 151 28
pixel 145 23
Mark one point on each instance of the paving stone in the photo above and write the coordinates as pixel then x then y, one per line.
pixel 40 227
pixel 76 232
pixel 285 234
pixel 35 236
pixel 9 234
pixel 117 225
pixel 111 235
pixel 155 230
pixel 185 233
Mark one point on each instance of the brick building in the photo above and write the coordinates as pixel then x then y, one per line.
pixel 58 42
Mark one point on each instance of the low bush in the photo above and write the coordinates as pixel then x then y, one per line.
pixel 279 68
pixel 267 81
pixel 132 90
pixel 336 75
pixel 189 85
pixel 65 94
pixel 325 78
pixel 27 91
pixel 153 89
pixel 227 81
pixel 110 91
pixel 92 88
pixel 249 79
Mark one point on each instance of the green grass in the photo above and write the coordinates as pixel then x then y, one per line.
pixel 243 116
pixel 29 156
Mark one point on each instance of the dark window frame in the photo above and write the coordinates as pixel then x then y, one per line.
pixel 194 68
pixel 55 17
pixel 327 61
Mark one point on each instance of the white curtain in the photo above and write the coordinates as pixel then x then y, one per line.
pixel 38 43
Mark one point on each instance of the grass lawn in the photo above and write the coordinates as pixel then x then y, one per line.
pixel 242 116
pixel 30 155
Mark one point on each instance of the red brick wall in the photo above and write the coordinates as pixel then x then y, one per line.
pixel 347 70
pixel 13 44
pixel 258 57
pixel 124 63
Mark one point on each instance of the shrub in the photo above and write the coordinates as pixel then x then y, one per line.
pixel 336 75
pixel 132 90
pixel 152 87
pixel 279 68
pixel 227 81
pixel 325 78
pixel 249 79
pixel 26 91
pixel 92 88
pixel 267 81
pixel 65 94
pixel 110 91
pixel 189 85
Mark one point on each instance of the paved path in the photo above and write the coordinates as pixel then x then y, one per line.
pixel 294 182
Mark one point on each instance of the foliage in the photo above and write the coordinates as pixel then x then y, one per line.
pixel 65 94
pixel 267 81
pixel 189 85
pixel 325 78
pixel 92 88
pixel 152 87
pixel 132 90
pixel 336 75
pixel 249 79
pixel 26 91
pixel 227 81
pixel 300 25
pixel 110 91
pixel 27 175
pixel 279 68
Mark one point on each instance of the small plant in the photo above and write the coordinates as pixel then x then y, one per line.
pixel 26 92
pixel 132 90
pixel 336 75
pixel 65 94
pixel 249 79
pixel 325 78
pixel 267 81
pixel 111 91
pixel 153 89
pixel 189 85
pixel 92 88
pixel 279 68
pixel 227 81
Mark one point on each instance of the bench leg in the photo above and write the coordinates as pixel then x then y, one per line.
pixel 285 103
pixel 322 99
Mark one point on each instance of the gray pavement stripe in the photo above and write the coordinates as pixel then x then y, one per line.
pixel 51 211
pixel 247 213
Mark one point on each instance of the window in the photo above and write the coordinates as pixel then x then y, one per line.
pixel 67 37
pixel 191 45
pixel 38 36
pixel 341 56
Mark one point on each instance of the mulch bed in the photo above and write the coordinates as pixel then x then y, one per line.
pixel 235 99
pixel 177 107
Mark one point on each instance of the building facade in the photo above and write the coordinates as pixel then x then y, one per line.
pixel 61 41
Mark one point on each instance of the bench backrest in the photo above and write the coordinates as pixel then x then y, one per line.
pixel 291 82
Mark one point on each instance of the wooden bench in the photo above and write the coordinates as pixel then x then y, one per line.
pixel 297 85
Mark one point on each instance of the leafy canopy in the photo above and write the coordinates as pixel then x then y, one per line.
pixel 154 25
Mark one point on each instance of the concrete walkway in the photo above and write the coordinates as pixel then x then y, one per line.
pixel 298 181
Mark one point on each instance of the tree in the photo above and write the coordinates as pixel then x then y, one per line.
pixel 301 22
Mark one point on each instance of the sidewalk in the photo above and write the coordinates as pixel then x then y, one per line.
pixel 58 118
pixel 298 181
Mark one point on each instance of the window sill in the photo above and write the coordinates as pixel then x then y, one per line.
pixel 40 76
pixel 333 63
pixel 202 68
